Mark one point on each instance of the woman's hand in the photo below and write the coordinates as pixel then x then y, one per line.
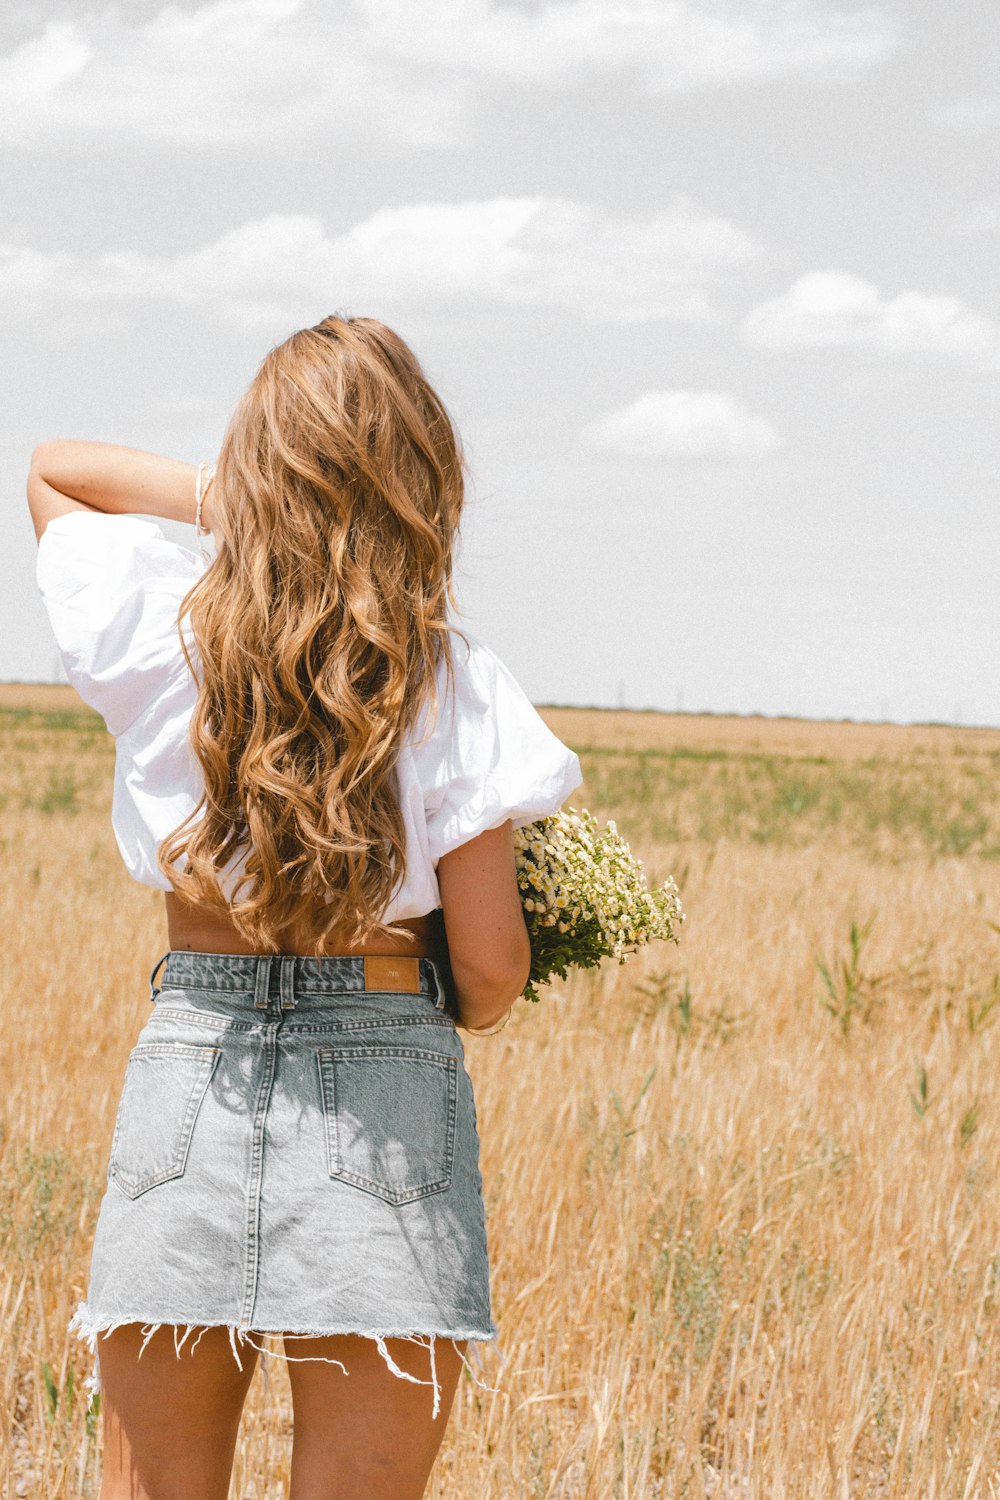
pixel 68 474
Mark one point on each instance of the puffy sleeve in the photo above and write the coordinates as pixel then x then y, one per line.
pixel 489 756
pixel 112 586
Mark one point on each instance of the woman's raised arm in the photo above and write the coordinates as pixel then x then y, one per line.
pixel 68 474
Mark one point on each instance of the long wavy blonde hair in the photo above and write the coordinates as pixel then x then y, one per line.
pixel 319 625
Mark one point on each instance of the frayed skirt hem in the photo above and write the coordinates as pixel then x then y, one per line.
pixel 89 1328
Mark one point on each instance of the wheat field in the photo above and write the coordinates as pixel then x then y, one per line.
pixel 740 1194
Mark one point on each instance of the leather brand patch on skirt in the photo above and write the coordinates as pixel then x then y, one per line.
pixel 397 974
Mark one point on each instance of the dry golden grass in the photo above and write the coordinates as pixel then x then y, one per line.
pixel 743 1245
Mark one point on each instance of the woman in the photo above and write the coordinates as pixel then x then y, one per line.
pixel 322 774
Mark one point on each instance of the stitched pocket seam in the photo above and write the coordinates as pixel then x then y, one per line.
pixel 207 1057
pixel 326 1058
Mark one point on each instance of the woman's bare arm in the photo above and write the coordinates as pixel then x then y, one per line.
pixel 68 474
pixel 488 943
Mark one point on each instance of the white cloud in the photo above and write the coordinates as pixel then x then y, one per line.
pixel 828 309
pixel 270 74
pixel 673 45
pixel 682 424
pixel 302 74
pixel 451 258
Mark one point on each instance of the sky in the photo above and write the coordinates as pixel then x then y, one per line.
pixel 708 289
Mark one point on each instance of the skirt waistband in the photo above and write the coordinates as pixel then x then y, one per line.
pixel 289 975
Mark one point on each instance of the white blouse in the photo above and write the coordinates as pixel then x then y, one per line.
pixel 112 586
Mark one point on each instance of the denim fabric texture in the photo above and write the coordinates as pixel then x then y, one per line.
pixel 293 1153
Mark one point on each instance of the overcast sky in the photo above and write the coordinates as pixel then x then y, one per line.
pixel 709 289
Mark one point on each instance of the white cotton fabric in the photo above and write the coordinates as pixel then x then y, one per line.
pixel 112 586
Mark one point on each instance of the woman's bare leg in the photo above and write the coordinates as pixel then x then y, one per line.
pixel 367 1435
pixel 170 1422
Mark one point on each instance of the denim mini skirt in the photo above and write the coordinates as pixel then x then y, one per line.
pixel 294 1152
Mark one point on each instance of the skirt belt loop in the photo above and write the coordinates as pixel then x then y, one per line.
pixel 154 989
pixel 262 982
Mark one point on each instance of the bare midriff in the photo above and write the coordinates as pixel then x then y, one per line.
pixel 201 931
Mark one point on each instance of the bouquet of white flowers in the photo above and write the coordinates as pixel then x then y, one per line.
pixel 585 896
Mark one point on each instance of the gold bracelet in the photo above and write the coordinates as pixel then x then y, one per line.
pixel 202 486
pixel 490 1030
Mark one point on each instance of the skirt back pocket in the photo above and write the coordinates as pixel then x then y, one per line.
pixel 389 1115
pixel 165 1083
